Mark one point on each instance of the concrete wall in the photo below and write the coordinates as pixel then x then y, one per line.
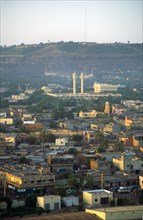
pixel 87 198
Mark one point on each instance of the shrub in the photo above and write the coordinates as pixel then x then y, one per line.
pixel 80 207
pixel 120 201
pixel 112 203
pixel 40 211
pixel 48 211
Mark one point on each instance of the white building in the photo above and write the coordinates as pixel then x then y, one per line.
pixel 61 141
pixel 3 115
pixel 70 201
pixel 51 202
pixel 22 96
pixel 102 87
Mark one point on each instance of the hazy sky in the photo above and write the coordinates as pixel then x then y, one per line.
pixel 42 21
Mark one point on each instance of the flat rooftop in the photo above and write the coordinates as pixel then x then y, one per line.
pixel 116 209
pixel 97 191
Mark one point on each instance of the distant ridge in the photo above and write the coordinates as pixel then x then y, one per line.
pixel 65 57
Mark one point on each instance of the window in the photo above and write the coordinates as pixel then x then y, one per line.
pixel 95 200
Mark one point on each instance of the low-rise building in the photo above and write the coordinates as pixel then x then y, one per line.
pixel 22 96
pixel 25 176
pixel 108 156
pixel 114 128
pixel 61 141
pixel 116 213
pixel 90 114
pixel 141 181
pixel 35 126
pixel 100 165
pixel 138 139
pixel 128 122
pixel 70 201
pixel 103 87
pixel 89 136
pixel 128 162
pixel 97 197
pixel 9 139
pixel 57 162
pixel 118 109
pixel 6 121
pixel 3 114
pixel 51 202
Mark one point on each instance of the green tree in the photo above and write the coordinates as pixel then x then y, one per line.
pixel 49 137
pixel 30 200
pixel 118 147
pixel 89 182
pixel 58 113
pixel 53 125
pixel 72 151
pixel 120 201
pixel 40 210
pixel 72 181
pixel 31 139
pixel 69 115
pixel 60 190
pixel 7 200
pixel 140 196
pixel 77 137
pixel 100 149
pixel 22 160
pixel 4 103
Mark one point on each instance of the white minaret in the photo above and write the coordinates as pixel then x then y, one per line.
pixel 74 83
pixel 81 83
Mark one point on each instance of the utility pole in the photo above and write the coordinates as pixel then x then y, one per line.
pixel 102 180
pixel 43 135
pixel 4 184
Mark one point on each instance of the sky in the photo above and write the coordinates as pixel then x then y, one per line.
pixel 101 21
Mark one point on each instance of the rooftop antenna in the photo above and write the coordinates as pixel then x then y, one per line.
pixel 85 26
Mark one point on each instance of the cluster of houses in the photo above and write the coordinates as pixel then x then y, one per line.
pixel 110 151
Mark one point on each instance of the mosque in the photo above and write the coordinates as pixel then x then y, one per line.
pixel 99 90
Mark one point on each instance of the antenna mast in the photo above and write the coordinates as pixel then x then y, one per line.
pixel 85 26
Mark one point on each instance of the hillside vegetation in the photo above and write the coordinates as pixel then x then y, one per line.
pixel 23 62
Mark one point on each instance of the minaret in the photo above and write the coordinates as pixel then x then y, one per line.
pixel 74 83
pixel 81 85
pixel 107 108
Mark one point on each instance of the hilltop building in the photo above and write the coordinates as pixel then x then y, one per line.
pixel 90 114
pixel 99 91
pixel 101 87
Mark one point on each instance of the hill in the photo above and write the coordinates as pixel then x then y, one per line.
pixel 29 62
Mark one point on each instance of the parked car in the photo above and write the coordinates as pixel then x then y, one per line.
pixel 124 189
